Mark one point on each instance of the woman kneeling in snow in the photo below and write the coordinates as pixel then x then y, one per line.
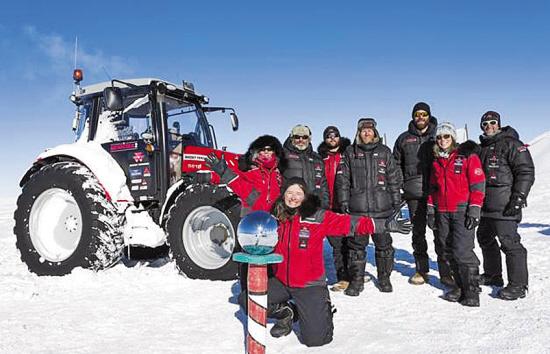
pixel 301 276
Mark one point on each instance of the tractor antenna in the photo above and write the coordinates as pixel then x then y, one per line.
pixel 75 50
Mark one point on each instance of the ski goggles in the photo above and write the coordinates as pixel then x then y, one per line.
pixel 443 136
pixel 266 149
pixel 298 137
pixel 332 136
pixel 487 122
pixel 421 114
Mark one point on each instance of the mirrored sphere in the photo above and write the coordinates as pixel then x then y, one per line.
pixel 257 233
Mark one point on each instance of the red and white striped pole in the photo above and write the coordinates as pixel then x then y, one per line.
pixel 257 308
pixel 257 298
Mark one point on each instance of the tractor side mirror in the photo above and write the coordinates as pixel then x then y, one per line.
pixel 234 121
pixel 113 98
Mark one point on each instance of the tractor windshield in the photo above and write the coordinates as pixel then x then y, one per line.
pixel 186 123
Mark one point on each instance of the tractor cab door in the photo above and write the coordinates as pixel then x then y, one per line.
pixel 186 126
pixel 130 137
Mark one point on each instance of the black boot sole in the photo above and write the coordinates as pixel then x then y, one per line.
pixel 512 298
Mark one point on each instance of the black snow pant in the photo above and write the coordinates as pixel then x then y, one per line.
pixel 340 257
pixel 383 251
pixel 510 244
pixel 418 214
pixel 459 250
pixel 313 306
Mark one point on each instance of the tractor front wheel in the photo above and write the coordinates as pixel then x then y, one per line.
pixel 201 228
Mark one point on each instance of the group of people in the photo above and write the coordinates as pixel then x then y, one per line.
pixel 349 190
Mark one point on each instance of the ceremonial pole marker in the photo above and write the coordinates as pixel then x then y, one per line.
pixel 257 233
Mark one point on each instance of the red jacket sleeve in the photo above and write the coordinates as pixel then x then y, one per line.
pixel 476 181
pixel 335 224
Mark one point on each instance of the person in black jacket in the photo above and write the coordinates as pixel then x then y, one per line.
pixel 304 162
pixel 367 183
pixel 510 174
pixel 413 154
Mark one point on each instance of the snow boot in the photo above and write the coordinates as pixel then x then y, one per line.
pixel 284 315
pixel 340 286
pixel 491 280
pixel 384 265
pixel 418 278
pixel 453 295
pixel 356 268
pixel 513 292
pixel 469 277
pixel 445 276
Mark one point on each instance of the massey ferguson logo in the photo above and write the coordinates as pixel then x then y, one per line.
pixel 138 156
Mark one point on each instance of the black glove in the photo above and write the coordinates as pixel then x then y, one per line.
pixel 472 217
pixel 395 224
pixel 215 164
pixel 430 217
pixel 344 207
pixel 513 208
pixel 471 222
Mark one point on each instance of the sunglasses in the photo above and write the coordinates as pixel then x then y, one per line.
pixel 298 137
pixel 444 136
pixel 332 136
pixel 487 122
pixel 266 149
pixel 421 115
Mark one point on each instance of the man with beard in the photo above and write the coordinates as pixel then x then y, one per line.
pixel 367 183
pixel 510 174
pixel 331 150
pixel 413 153
pixel 305 163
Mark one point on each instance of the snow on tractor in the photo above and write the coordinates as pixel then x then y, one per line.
pixel 135 176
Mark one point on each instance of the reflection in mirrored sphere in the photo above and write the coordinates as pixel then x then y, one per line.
pixel 257 233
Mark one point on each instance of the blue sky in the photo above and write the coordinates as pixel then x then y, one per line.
pixel 279 63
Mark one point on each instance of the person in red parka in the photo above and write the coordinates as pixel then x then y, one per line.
pixel 457 190
pixel 331 150
pixel 301 276
pixel 256 180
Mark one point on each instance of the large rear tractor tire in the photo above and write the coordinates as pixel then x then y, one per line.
pixel 201 228
pixel 64 220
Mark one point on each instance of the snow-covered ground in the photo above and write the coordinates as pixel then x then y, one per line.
pixel 149 308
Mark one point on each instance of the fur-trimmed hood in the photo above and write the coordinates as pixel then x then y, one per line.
pixel 323 148
pixel 246 161
pixel 468 148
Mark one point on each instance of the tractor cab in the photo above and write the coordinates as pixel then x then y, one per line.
pixel 156 131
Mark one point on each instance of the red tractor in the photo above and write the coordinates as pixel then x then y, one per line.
pixel 135 176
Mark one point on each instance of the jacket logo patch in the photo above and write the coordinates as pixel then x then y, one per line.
pixel 303 238
pixel 410 140
pixel 478 171
pixel 293 156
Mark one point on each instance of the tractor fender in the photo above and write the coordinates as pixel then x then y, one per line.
pixel 171 195
pixel 93 156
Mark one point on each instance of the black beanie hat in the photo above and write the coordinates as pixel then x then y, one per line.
pixel 490 115
pixel 330 129
pixel 421 106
